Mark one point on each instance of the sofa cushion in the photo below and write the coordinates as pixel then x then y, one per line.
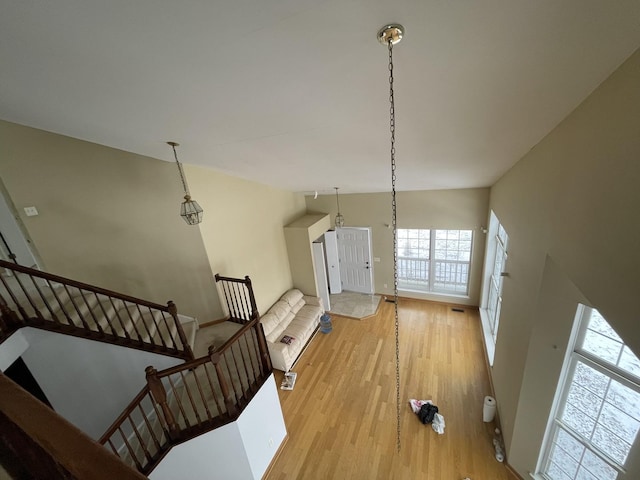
pixel 309 312
pixel 269 323
pixel 297 331
pixel 280 309
pixel 296 308
pixel 292 297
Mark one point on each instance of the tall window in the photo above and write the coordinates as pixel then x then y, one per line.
pixel 597 411
pixel 494 302
pixel 434 260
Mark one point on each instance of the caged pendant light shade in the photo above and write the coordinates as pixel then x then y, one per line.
pixel 190 211
pixel 339 216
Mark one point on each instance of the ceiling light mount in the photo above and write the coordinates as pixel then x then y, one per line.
pixel 390 33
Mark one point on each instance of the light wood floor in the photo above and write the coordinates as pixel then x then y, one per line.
pixel 341 416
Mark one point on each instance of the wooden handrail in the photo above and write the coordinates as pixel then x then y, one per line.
pixel 177 398
pixel 240 301
pixel 84 286
pixel 51 302
pixel 42 444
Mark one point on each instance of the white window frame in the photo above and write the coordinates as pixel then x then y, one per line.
pixel 496 280
pixel 431 283
pixel 492 283
pixel 574 355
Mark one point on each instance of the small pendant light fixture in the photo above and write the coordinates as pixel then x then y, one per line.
pixel 339 217
pixel 189 210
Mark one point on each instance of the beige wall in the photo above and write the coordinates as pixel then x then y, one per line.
pixel 107 217
pixel 454 209
pixel 111 218
pixel 300 234
pixel 570 208
pixel 243 230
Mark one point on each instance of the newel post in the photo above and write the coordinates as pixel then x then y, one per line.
pixel 160 397
pixel 252 298
pixel 232 409
pixel 264 351
pixel 9 320
pixel 173 311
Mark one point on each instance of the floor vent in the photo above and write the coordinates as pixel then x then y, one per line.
pixel 460 310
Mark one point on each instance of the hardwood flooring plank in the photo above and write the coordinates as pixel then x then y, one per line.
pixel 341 416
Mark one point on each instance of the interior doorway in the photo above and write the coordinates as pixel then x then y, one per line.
pixel 354 252
pixel 14 244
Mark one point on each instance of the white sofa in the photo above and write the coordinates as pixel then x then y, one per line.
pixel 294 315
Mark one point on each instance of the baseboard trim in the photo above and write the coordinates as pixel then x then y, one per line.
pixel 440 302
pixel 275 457
pixel 512 472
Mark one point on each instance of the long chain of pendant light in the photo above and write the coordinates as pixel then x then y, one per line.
pixel 184 180
pixel 392 129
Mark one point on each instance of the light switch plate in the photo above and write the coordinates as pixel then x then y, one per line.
pixel 31 211
pixel 376 259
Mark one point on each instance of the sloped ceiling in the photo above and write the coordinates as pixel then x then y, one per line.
pixel 294 93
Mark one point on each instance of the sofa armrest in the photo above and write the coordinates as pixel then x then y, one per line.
pixel 276 352
pixel 309 300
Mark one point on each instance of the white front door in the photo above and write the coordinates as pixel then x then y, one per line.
pixel 354 251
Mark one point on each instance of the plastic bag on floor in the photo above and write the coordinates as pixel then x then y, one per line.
pixel 438 423
pixel 416 405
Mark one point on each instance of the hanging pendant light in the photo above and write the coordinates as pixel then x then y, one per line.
pixel 339 217
pixel 389 35
pixel 189 210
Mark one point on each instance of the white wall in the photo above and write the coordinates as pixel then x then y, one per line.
pixel 218 454
pixel 262 428
pixel 12 348
pixel 238 451
pixel 87 382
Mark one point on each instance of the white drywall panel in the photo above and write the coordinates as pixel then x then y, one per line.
pixel 87 382
pixel 11 349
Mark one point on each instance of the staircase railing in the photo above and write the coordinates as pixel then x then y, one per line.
pixel 38 443
pixel 187 400
pixel 239 298
pixel 38 299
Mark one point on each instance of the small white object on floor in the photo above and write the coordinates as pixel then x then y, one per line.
pixel 438 424
pixel 289 381
pixel 497 444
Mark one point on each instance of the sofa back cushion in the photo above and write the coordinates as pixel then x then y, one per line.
pixel 269 323
pixel 292 297
pixel 280 309
pixel 296 308
pixel 276 320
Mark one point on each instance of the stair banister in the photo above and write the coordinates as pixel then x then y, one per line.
pixel 30 297
pixel 226 395
pixel 160 396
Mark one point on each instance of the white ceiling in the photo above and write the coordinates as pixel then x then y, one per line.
pixel 294 93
